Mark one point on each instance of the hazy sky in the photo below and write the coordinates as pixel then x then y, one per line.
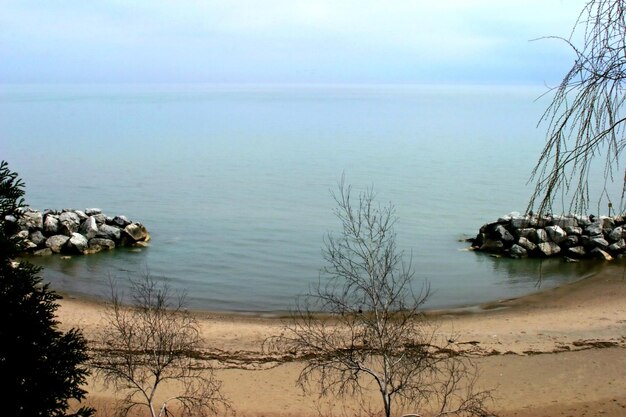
pixel 285 41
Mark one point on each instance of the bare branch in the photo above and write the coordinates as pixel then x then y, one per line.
pixel 362 323
pixel 152 343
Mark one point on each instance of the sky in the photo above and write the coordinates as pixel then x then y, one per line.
pixel 285 41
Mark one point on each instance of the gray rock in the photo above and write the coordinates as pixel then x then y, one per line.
pixel 526 232
pixel 556 234
pixel 517 251
pixel 599 242
pixel 607 222
pixel 594 229
pixel 136 231
pixel 121 221
pixel 100 218
pixel 51 225
pixel 43 252
pixel 572 240
pixel 619 246
pixel 99 244
pixel 22 234
pixel 616 234
pixel 583 221
pixel 540 236
pixel 600 254
pixel 81 215
pixel 573 230
pixel 548 248
pixel 56 242
pixel 78 242
pixel 526 244
pixel 30 220
pixel 10 218
pixel 504 234
pixel 89 228
pixel 538 222
pixel 576 251
pixel 109 232
pixel 92 211
pixel 520 222
pixel 68 223
pixel 492 245
pixel 37 238
pixel 564 221
pixel 28 245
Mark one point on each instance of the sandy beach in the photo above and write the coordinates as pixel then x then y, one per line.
pixel 559 352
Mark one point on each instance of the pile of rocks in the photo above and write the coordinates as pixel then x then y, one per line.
pixel 570 236
pixel 74 231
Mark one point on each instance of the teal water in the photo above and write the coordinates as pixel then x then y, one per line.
pixel 233 182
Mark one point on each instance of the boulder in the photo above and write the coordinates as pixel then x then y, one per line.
pixel 37 238
pixel 30 220
pixel 600 254
pixel 583 221
pixel 78 242
pixel 100 218
pixel 548 248
pixel 538 222
pixel 607 222
pixel 540 236
pixel 136 231
pixel 594 229
pixel 22 234
pixel 571 230
pixel 9 218
pixel 68 223
pixel 504 234
pixel 571 241
pixel 564 221
pixel 81 215
pixel 108 232
pixel 520 222
pixel 99 244
pixel 28 245
pixel 526 232
pixel 121 221
pixel 616 234
pixel 492 245
pixel 43 252
pixel 556 234
pixel 618 247
pixel 89 228
pixel 598 242
pixel 576 251
pixel 92 211
pixel 517 251
pixel 57 242
pixel 51 224
pixel 527 244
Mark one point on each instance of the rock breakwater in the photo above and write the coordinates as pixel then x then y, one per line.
pixel 73 231
pixel 571 237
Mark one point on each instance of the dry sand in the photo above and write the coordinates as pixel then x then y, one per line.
pixel 560 352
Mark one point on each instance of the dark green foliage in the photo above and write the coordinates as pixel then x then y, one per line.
pixel 41 368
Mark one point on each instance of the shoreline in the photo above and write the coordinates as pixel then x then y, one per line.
pixel 556 352
pixel 540 295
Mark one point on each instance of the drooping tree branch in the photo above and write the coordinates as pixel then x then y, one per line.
pixel 586 119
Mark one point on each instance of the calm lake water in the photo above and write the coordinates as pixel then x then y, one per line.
pixel 234 182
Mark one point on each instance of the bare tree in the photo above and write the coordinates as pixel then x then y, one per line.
pixel 586 117
pixel 150 344
pixel 363 324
